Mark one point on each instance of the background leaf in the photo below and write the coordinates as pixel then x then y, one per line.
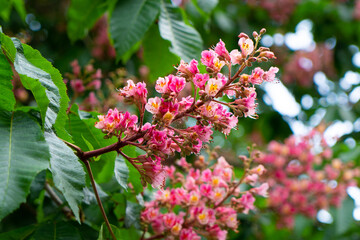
pixel 157 55
pixel 121 172
pixel 129 22
pixel 7 99
pixel 82 15
pixel 185 41
pixel 57 230
pixel 23 154
pixel 120 233
pixel 68 173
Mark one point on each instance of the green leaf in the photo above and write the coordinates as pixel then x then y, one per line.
pixel 132 216
pixel 7 46
pixel 207 5
pixel 68 173
pixel 82 15
pixel 56 90
pixel 57 231
pixel 157 55
pixel 129 22
pixel 20 8
pixel 185 41
pixel 79 129
pixel 5 9
pixel 19 233
pixel 134 175
pixel 120 233
pixel 23 154
pixel 343 219
pixel 7 99
pixel 121 172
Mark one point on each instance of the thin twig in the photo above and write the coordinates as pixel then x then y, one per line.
pixel 67 211
pixel 98 198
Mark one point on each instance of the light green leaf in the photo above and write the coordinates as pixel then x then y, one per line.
pixel 121 172
pixel 79 129
pixel 120 233
pixel 7 46
pixel 23 154
pixel 132 216
pixel 7 99
pixel 82 15
pixel 134 175
pixel 207 5
pixel 185 41
pixel 57 231
pixel 5 9
pixel 129 22
pixel 157 55
pixel 68 173
pixel 343 219
pixel 52 81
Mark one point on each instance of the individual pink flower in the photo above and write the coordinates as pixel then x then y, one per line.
pixel 256 76
pixel 235 57
pixel 246 46
pixel 247 201
pixel 153 105
pixel 221 50
pixel 77 85
pixel 262 190
pixel 162 85
pixel 269 76
pixel 188 234
pixel 200 80
pixel 176 84
pixel 213 86
pixel 208 58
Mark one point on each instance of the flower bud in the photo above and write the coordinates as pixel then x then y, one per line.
pixel 262 31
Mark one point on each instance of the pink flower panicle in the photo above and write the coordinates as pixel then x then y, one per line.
pixel 207 201
pixel 300 181
pixel 161 138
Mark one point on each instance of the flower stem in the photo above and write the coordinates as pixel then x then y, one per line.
pixel 98 198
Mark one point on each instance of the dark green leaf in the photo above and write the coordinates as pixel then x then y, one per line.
pixel 68 173
pixel 82 15
pixel 185 41
pixel 129 22
pixel 157 55
pixel 120 233
pixel 23 154
pixel 344 218
pixel 7 99
pixel 5 9
pixel 134 175
pixel 18 234
pixel 57 231
pixel 84 128
pixel 89 196
pixel 20 8
pixel 121 172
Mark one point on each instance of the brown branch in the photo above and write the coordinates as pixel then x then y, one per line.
pixel 155 237
pixel 66 210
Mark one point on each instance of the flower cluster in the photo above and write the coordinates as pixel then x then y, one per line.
pixel 163 137
pixel 303 177
pixel 302 65
pixel 204 202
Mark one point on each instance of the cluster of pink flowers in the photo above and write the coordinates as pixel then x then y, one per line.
pixel 204 202
pixel 280 10
pixel 303 177
pixel 102 48
pixel 161 137
pixel 302 65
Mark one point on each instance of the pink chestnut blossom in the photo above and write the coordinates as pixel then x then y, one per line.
pixel 153 105
pixel 221 50
pixel 200 80
pixel 176 84
pixel 246 46
pixel 256 76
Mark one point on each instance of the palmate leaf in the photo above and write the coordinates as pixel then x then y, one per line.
pixel 157 55
pixel 129 22
pixel 45 82
pixel 185 41
pixel 68 173
pixel 7 99
pixel 82 15
pixel 23 153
